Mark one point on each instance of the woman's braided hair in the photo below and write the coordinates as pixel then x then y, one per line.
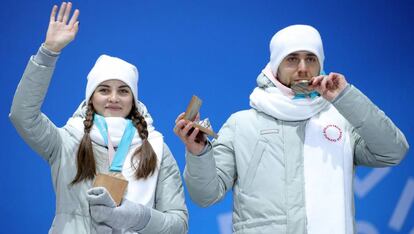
pixel 86 165
pixel 148 158
pixel 85 160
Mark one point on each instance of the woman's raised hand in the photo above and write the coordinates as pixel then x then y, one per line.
pixel 61 32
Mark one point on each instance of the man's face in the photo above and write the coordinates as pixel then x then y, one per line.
pixel 300 65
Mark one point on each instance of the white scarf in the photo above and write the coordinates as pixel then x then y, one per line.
pixel 140 191
pixel 272 102
pixel 327 153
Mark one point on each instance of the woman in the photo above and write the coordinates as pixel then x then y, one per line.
pixel 110 133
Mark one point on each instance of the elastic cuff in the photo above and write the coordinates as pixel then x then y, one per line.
pixel 154 223
pixel 346 89
pixel 49 52
pixel 207 147
pixel 46 57
pixel 143 219
pixel 204 162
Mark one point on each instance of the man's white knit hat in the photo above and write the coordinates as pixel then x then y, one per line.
pixel 112 68
pixel 292 39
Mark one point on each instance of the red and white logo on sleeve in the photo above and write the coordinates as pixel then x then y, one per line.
pixel 332 133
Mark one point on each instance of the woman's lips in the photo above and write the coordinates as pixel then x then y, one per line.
pixel 113 108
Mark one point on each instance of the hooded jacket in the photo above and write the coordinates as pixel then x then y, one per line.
pixel 58 146
pixel 261 159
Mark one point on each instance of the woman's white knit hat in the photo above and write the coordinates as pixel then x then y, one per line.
pixel 112 68
pixel 292 39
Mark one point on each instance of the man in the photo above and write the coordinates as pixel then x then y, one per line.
pixel 290 159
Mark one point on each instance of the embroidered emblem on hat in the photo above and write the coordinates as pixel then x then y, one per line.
pixel 332 133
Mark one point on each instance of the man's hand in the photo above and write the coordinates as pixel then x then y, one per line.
pixel 61 32
pixel 194 141
pixel 329 86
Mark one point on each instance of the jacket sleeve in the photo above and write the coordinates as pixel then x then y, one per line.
pixel 32 125
pixel 377 141
pixel 170 214
pixel 210 175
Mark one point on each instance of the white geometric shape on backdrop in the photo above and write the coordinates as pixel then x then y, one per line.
pixel 225 223
pixel 364 227
pixel 364 185
pixel 405 203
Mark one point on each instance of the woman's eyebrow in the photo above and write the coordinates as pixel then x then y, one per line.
pixel 103 85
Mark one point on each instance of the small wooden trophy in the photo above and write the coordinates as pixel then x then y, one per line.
pixel 115 183
pixel 191 113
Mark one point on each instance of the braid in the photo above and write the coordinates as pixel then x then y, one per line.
pixel 148 158
pixel 88 122
pixel 139 122
pixel 85 160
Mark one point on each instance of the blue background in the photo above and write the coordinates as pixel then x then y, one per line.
pixel 214 49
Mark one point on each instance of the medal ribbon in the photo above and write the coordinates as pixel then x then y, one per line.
pixel 116 161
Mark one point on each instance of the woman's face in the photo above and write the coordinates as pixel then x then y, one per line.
pixel 112 98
